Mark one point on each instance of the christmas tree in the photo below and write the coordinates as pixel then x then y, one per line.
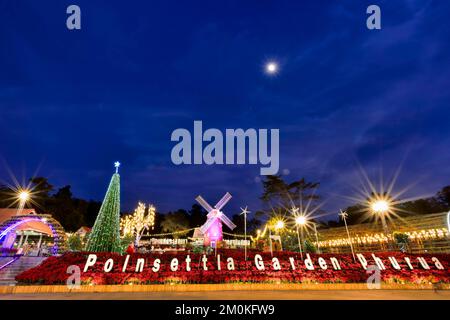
pixel 105 235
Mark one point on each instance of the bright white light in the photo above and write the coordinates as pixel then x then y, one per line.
pixel 279 225
pixel 448 222
pixel 300 220
pixel 24 196
pixel 380 206
pixel 271 67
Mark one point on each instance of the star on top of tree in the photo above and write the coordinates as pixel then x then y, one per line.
pixel 117 165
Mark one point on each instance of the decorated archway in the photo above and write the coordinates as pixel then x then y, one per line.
pixel 43 223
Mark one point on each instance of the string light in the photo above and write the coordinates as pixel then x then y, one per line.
pixel 138 222
pixel 424 234
pixel 172 233
pixel 105 236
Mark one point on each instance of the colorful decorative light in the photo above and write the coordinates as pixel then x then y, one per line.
pixel 138 222
pixel 16 223
pixel 105 235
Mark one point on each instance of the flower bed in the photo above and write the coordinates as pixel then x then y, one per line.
pixel 54 270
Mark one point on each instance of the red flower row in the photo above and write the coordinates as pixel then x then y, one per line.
pixel 54 269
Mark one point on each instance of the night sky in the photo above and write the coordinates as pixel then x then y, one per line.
pixel 73 102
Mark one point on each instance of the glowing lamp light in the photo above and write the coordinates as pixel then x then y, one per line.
pixel 448 221
pixel 24 196
pixel 300 220
pixel 279 225
pixel 272 67
pixel 380 206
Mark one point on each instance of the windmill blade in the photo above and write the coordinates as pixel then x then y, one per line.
pixel 227 221
pixel 204 204
pixel 204 228
pixel 223 201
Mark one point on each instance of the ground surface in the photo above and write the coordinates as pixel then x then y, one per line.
pixel 246 295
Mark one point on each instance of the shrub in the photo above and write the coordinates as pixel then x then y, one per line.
pixel 74 243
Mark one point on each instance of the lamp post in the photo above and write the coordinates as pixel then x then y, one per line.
pixel 448 221
pixel 300 221
pixel 317 237
pixel 270 241
pixel 23 196
pixel 244 212
pixel 277 226
pixel 381 206
pixel 344 216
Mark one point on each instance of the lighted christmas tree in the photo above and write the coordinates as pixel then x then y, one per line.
pixel 105 235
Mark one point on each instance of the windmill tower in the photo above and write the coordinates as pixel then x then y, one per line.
pixel 212 229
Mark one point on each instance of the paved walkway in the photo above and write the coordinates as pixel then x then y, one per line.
pixel 245 295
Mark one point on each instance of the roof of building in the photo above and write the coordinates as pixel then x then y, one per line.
pixel 7 213
pixel 198 233
pixel 83 230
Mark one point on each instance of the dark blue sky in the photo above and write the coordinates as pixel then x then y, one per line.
pixel 73 102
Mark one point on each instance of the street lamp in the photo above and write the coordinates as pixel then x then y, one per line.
pixel 381 206
pixel 279 225
pixel 245 211
pixel 271 67
pixel 317 238
pixel 300 221
pixel 23 196
pixel 448 221
pixel 344 216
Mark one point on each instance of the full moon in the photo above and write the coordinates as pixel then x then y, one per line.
pixel 271 67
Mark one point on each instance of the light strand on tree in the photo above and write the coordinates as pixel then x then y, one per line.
pixel 105 235
pixel 138 222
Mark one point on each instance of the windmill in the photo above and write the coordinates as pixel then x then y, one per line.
pixel 212 228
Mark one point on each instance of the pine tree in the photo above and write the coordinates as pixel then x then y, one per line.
pixel 105 235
